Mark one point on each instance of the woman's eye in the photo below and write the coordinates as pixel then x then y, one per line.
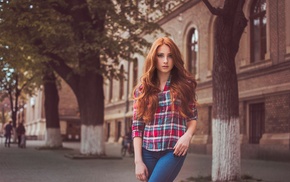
pixel 159 55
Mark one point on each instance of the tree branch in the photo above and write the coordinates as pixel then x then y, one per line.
pixel 11 100
pixel 62 69
pixel 26 83
pixel 214 11
pixel 240 23
pixel 58 64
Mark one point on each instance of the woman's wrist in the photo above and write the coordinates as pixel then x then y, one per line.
pixel 188 134
pixel 138 161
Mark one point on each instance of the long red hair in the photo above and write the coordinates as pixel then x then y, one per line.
pixel 182 85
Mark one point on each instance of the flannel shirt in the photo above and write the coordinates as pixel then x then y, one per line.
pixel 167 126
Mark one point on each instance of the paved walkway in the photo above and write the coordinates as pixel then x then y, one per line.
pixel 31 165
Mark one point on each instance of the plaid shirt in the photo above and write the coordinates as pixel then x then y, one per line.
pixel 167 126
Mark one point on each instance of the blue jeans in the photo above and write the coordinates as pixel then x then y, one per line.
pixel 162 166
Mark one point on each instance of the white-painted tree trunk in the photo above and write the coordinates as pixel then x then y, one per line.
pixel 92 140
pixel 53 137
pixel 226 150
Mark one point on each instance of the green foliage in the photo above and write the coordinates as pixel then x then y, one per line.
pixel 18 72
pixel 79 39
pixel 20 64
pixel 92 35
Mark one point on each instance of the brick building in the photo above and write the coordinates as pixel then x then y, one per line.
pixel 263 69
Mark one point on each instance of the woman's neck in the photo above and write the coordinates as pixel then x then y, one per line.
pixel 162 80
pixel 163 77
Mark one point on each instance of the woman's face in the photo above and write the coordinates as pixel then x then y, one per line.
pixel 164 60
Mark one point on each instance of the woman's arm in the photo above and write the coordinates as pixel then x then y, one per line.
pixel 191 127
pixel 181 147
pixel 140 168
pixel 137 142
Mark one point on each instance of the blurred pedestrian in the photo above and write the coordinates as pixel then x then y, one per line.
pixel 129 141
pixel 21 135
pixel 164 114
pixel 8 133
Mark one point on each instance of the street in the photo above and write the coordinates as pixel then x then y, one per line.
pixel 32 165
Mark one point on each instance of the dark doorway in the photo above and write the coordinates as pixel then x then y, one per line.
pixel 257 122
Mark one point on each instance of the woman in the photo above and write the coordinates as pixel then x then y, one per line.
pixel 164 114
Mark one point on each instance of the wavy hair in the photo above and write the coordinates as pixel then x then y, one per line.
pixel 182 85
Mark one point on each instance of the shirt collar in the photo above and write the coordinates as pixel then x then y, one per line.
pixel 166 88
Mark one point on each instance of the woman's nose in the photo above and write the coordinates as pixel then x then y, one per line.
pixel 165 59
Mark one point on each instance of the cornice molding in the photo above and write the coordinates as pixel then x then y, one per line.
pixel 177 11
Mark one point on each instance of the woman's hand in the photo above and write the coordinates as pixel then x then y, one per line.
pixel 181 147
pixel 141 171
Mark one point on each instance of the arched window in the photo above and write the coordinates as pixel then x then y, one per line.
pixel 111 88
pixel 192 48
pixel 121 82
pixel 135 72
pixel 258 23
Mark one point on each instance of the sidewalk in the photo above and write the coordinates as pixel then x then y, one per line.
pixel 31 165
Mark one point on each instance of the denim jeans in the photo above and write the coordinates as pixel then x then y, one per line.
pixel 162 166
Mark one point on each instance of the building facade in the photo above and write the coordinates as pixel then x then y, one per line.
pixel 263 69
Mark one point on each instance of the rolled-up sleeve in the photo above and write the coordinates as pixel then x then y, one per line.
pixel 194 114
pixel 137 124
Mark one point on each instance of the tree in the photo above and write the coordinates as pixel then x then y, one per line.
pixel 23 69
pixel 53 138
pixel 83 40
pixel 229 26
pixel 20 76
pixel 14 80
pixel 19 73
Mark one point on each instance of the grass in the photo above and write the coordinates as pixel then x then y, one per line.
pixel 244 178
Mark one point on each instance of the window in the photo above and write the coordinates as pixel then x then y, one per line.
pixel 111 88
pixel 192 48
pixel 258 23
pixel 121 81
pixel 118 135
pixel 135 72
pixel 108 131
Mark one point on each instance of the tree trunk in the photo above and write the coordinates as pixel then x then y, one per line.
pixel 87 81
pixel 14 106
pixel 91 104
pixel 229 27
pixel 53 137
pixel 226 144
pixel 88 89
